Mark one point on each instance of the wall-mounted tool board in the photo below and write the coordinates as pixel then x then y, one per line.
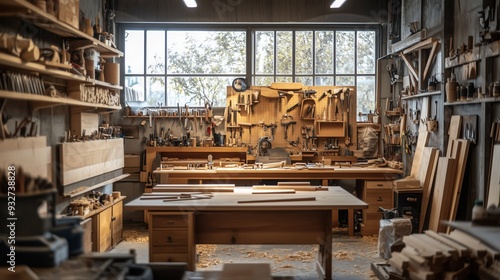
pixel 256 116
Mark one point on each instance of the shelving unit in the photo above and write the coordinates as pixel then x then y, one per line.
pixel 27 11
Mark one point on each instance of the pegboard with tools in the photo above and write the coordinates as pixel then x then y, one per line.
pixel 301 118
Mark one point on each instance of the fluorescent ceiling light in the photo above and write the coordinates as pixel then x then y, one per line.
pixel 190 3
pixel 337 3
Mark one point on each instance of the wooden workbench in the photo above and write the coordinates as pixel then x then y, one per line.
pixel 176 227
pixel 223 175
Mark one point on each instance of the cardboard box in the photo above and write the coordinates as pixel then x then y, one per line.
pixel 403 184
pixel 69 12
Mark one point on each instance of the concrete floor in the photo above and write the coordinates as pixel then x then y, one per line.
pixel 351 256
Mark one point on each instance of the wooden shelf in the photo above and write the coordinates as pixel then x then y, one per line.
pixel 18 63
pixel 28 11
pixel 48 101
pixel 474 101
pixel 91 188
pixel 477 53
pixel 422 94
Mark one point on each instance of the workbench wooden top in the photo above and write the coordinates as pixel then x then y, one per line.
pixel 333 198
pixel 369 173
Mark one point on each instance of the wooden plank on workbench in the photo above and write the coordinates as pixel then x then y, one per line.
pixel 441 193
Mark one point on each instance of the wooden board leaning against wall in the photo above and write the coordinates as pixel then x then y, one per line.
pixel 312 119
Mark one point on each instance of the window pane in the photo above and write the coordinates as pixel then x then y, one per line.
pixel 198 90
pixel 155 91
pixel 307 81
pixel 344 52
pixel 263 80
pixel 155 51
pixel 344 81
pixel 134 88
pixel 284 52
pixel 323 81
pixel 284 79
pixel 365 91
pixel 324 52
pixel 366 52
pixel 303 52
pixel 264 52
pixel 206 52
pixel 134 51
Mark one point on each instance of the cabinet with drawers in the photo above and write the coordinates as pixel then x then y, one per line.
pixel 171 236
pixel 376 194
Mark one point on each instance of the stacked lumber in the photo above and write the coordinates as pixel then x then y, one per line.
pixel 493 191
pixel 432 255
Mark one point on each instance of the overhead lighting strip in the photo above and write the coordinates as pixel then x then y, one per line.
pixel 337 3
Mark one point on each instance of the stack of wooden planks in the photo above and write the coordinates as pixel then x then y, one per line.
pixel 441 256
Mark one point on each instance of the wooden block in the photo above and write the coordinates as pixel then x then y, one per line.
pixel 445 249
pixel 470 242
pixel 462 250
pixel 453 131
pixel 399 262
pixel 421 274
pixel 461 274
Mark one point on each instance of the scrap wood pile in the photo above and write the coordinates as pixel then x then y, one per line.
pixel 440 256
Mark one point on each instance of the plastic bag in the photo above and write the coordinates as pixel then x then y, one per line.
pixel 391 234
pixel 368 141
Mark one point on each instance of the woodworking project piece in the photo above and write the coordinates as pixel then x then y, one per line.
pixel 494 186
pixel 441 197
pixel 453 131
pixel 461 155
pixel 82 160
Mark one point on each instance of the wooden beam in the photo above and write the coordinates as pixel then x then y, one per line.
pixel 425 44
pixel 410 66
pixel 430 59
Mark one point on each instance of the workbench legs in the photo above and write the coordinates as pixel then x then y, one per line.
pixel 324 262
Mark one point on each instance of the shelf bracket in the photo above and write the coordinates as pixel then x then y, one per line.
pixel 430 59
pixel 410 66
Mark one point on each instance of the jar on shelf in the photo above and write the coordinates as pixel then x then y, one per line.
pixel 88 29
pixel 451 89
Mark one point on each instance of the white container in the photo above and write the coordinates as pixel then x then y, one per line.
pixel 478 211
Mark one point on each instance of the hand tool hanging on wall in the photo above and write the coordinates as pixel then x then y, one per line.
pixel 322 96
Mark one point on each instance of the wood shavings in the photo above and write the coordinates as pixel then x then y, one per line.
pixel 343 255
pixel 135 236
pixel 206 253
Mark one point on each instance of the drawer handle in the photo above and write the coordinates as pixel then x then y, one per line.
pixel 169 239
pixel 380 185
pixel 170 222
pixel 169 259
pixel 380 198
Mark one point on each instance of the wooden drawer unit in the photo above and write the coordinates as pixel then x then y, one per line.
pixel 376 194
pixel 171 238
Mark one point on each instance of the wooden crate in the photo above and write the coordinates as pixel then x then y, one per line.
pixel 83 160
pixel 331 128
pixel 31 153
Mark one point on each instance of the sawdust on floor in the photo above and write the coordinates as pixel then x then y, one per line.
pixel 138 236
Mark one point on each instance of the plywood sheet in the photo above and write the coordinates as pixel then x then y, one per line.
pixel 423 139
pixel 494 186
pixel 82 160
pixel 441 195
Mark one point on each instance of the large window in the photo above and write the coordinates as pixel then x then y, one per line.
pixel 170 67
pixel 320 57
pixel 166 67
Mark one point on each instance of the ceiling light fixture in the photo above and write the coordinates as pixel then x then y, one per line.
pixel 337 4
pixel 190 3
